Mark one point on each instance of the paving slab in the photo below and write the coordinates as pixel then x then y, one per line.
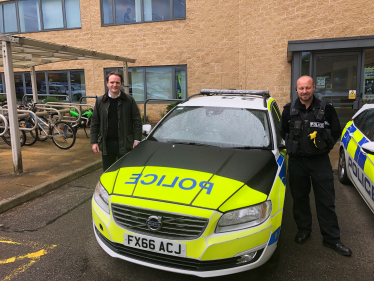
pixel 45 167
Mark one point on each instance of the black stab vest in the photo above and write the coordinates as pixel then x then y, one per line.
pixel 298 141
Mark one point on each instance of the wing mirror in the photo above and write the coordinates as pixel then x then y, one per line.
pixel 146 129
pixel 368 147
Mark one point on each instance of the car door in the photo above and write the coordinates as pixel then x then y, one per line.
pixel 363 163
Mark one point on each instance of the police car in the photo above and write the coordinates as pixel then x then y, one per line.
pixel 203 194
pixel 356 158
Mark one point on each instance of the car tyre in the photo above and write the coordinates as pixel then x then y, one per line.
pixel 342 168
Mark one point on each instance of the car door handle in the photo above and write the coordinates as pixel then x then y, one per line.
pixel 362 151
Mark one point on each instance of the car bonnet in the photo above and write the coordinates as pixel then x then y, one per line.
pixel 200 176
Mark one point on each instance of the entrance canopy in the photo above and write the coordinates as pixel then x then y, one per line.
pixel 21 52
pixel 29 52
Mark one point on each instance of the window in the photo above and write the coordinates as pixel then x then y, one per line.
pixel 367 125
pixel 218 126
pixel 156 82
pixel 115 12
pixel 368 86
pixel 65 85
pixel 357 121
pixel 39 15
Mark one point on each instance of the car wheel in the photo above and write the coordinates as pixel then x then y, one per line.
pixel 342 169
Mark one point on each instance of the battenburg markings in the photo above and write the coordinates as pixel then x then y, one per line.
pixel 170 181
pixel 363 179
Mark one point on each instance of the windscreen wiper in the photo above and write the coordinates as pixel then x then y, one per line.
pixel 192 143
pixel 251 147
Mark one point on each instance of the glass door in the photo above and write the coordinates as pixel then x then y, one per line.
pixel 336 77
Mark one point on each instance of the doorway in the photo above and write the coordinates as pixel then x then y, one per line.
pixel 336 76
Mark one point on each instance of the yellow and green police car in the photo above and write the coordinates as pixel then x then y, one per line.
pixel 356 158
pixel 203 193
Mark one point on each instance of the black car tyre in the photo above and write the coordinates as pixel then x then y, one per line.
pixel 342 168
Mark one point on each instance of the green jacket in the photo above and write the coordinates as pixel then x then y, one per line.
pixel 129 127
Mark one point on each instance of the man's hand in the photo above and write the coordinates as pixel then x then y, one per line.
pixel 135 144
pixel 95 148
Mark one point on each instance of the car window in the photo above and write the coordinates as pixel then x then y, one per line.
pixel 367 126
pixel 219 126
pixel 358 119
pixel 276 119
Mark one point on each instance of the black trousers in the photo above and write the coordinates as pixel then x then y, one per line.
pixel 112 149
pixel 317 171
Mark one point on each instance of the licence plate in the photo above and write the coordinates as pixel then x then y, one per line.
pixel 157 245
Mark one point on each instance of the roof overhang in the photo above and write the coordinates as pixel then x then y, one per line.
pixel 29 52
pixel 328 44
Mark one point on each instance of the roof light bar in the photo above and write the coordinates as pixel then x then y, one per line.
pixel 210 92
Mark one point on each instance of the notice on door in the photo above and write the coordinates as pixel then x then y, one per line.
pixel 352 94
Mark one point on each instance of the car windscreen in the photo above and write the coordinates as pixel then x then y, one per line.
pixel 217 126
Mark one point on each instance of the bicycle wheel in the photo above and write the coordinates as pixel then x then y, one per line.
pixel 31 136
pixel 7 138
pixel 63 135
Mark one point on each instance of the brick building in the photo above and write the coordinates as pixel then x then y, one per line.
pixel 182 46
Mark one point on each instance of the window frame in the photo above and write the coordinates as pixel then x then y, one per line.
pixel 46 72
pixel 42 29
pixel 276 115
pixel 172 18
pixel 173 67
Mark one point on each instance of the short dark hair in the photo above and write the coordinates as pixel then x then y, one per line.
pixel 114 73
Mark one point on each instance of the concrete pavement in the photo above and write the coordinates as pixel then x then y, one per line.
pixel 46 167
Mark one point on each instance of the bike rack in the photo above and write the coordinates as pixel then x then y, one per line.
pixel 23 101
pixel 68 105
pixel 20 116
pixel 5 125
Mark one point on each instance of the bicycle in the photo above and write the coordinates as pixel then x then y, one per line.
pixel 5 130
pixel 61 133
pixel 84 121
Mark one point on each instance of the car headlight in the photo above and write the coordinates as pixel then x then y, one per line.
pixel 101 197
pixel 244 218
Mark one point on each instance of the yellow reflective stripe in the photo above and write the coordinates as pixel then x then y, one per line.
pixel 104 216
pixel 282 195
pixel 170 184
pixel 274 196
pixel 124 176
pixel 369 167
pixel 269 103
pixel 231 248
pixel 343 132
pixel 108 179
pixel 277 220
pixel 212 224
pixel 223 188
pixel 162 206
pixel 246 196
pixel 97 220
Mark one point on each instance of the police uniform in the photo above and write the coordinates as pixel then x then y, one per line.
pixel 310 134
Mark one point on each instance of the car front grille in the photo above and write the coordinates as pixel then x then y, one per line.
pixel 173 261
pixel 174 226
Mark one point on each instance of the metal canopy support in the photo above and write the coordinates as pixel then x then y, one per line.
pixel 12 107
pixel 33 84
pixel 126 78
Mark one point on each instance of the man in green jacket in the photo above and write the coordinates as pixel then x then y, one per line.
pixel 116 126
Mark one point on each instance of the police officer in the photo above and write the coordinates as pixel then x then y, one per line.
pixel 311 128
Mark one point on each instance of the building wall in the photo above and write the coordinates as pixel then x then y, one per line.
pixel 240 44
